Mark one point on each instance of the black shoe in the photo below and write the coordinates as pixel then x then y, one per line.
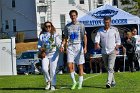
pixel 108 85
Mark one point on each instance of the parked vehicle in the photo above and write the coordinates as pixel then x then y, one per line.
pixel 27 62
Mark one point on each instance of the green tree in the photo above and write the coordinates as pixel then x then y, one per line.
pixel 134 9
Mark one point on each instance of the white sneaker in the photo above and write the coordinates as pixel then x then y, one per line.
pixel 26 73
pixel 60 72
pixel 52 88
pixel 75 73
pixel 91 71
pixel 101 71
pixel 84 73
pixel 47 87
pixel 118 70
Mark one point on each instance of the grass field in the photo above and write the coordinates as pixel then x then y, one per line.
pixel 93 83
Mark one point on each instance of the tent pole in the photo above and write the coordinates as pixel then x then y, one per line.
pixel 138 29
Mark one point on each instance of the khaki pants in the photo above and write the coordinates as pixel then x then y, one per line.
pixel 109 61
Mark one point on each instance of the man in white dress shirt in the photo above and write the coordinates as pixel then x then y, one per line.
pixel 109 38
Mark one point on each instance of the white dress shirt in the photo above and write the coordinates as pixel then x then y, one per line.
pixel 137 37
pixel 108 39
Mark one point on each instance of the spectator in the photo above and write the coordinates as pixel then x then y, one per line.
pixel 120 59
pixel 137 52
pixel 129 44
pixel 97 60
pixel 60 64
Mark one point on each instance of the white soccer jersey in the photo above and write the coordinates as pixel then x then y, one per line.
pixel 74 32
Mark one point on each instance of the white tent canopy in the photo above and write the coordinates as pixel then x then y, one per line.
pixel 119 17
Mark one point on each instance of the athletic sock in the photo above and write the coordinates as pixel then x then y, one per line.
pixel 73 77
pixel 80 80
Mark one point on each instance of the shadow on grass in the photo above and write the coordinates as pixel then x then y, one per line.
pixel 22 89
pixel 84 86
pixel 58 87
pixel 101 87
pixel 63 86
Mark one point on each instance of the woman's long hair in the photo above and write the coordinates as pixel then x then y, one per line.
pixel 53 30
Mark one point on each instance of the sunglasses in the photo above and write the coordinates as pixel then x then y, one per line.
pixel 48 26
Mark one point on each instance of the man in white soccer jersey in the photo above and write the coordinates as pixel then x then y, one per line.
pixel 75 34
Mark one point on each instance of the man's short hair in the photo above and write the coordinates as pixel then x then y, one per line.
pixel 107 18
pixel 73 11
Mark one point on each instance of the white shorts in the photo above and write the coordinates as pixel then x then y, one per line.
pixel 75 54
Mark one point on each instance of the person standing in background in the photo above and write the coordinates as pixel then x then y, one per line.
pixel 130 45
pixel 110 40
pixel 119 60
pixel 96 60
pixel 60 63
pixel 137 52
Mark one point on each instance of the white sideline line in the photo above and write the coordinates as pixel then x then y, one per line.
pixel 91 77
pixel 67 87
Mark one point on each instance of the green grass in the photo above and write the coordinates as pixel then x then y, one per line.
pixel 126 83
